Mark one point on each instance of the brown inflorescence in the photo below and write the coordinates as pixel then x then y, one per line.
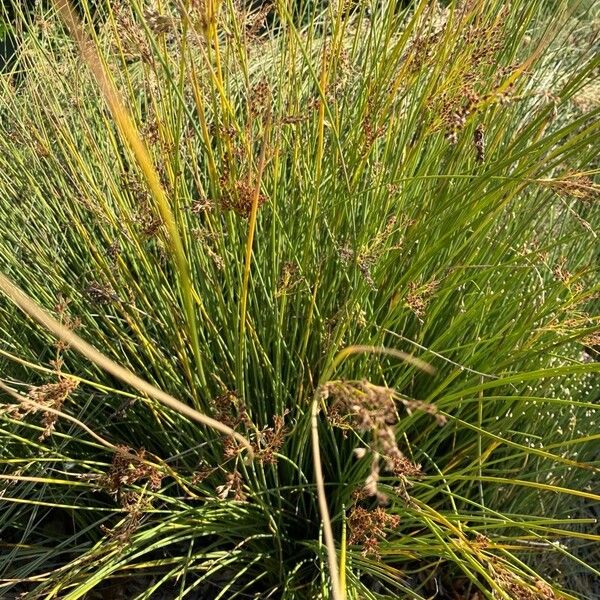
pixel 101 293
pixel 517 588
pixel 574 186
pixel 271 440
pixel 134 505
pixel 113 251
pixel 368 527
pixel 132 42
pixel 229 409
pixel 479 142
pixel 201 205
pixel 232 487
pixel 466 72
pixel 159 23
pixel 208 241
pixel 52 395
pixel 260 98
pixel 238 196
pixel 266 442
pixel 560 271
pixel 253 22
pixel 370 408
pixel 289 278
pixel 71 323
pixel 129 467
pixel 419 296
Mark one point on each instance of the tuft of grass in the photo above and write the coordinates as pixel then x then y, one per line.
pixel 361 238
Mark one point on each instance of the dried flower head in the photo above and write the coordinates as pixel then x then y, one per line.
pixel 260 98
pixel 288 279
pixel 371 132
pixel 51 395
pixel 202 474
pixel 233 486
pixel 239 195
pixel 574 186
pixel 591 346
pixel 72 323
pixel 481 541
pixel 208 241
pixel 270 440
pixel 419 296
pixel 135 506
pixel 253 22
pixel 464 87
pixel 229 409
pixel 101 293
pixel 132 42
pixel 517 588
pixel 201 205
pixel 159 23
pixel 293 119
pixel 368 527
pixel 360 405
pixel 592 340
pixel 113 250
pixel 128 467
pixel 148 219
pixel 369 408
pixel 479 143
pixel 560 271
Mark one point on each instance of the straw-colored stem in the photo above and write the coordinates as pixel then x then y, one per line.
pixel 248 257
pixel 129 131
pixel 337 587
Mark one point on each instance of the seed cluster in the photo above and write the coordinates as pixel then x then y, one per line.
pixel 517 588
pixel 238 195
pixel 369 408
pixel 51 395
pixel 266 442
pixel 132 42
pixel 419 296
pixel 129 467
pixel 135 505
pixel 574 186
pixel 465 87
pixel 368 527
pixel 233 487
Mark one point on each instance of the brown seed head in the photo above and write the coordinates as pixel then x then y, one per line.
pixel 52 395
pixel 129 467
pixel 368 527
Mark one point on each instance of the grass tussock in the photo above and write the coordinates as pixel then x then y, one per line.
pixel 300 301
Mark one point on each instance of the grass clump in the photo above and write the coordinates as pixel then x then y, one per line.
pixel 361 238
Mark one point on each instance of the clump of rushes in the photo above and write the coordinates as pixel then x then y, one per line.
pixel 222 202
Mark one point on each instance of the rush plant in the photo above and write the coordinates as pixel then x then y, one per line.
pixel 300 301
